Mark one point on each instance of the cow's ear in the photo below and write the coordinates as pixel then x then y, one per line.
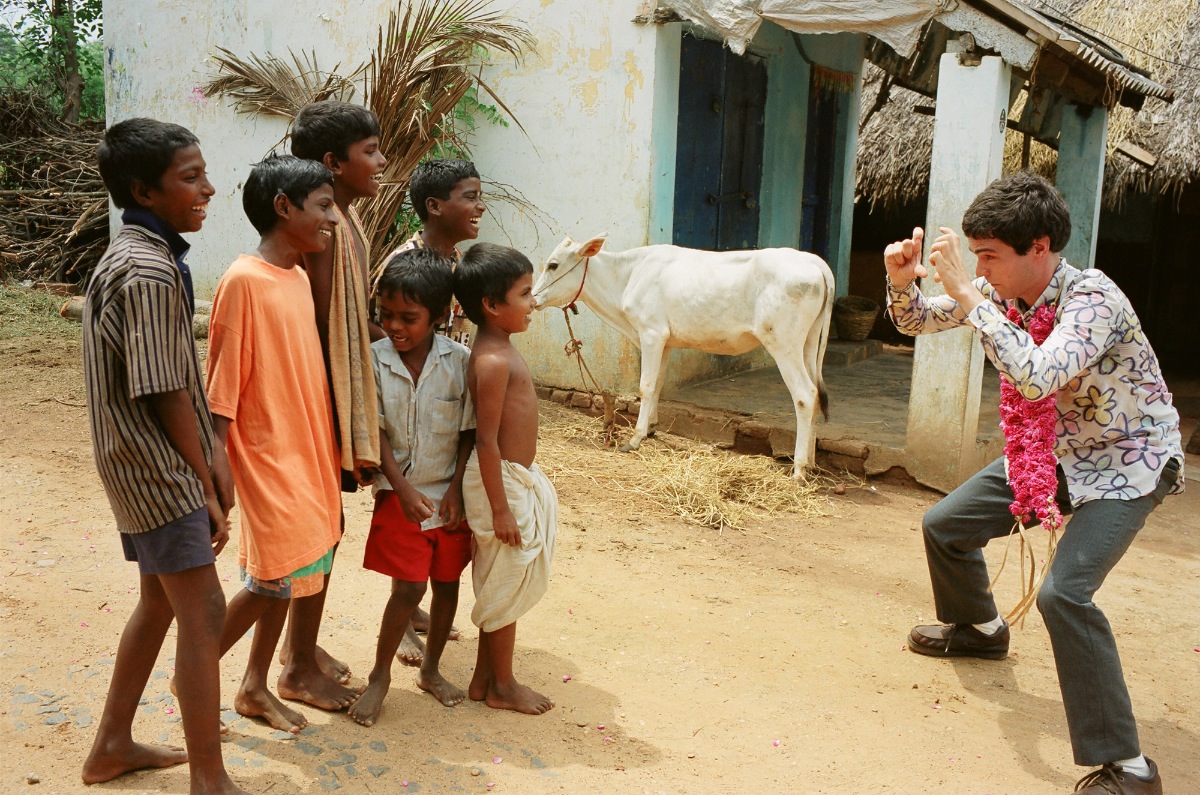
pixel 592 247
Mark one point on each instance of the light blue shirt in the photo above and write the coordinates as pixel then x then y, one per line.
pixel 423 421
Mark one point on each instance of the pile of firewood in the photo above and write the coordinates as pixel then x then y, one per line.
pixel 53 206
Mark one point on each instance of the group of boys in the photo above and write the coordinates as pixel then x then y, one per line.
pixel 303 382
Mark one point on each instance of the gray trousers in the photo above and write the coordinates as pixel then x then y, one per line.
pixel 1099 715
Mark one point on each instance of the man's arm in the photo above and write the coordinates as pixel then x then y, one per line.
pixel 911 311
pixel 491 386
pixel 177 416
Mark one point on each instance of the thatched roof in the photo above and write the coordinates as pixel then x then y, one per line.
pixel 896 139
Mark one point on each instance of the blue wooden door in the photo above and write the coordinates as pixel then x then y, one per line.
pixel 718 165
pixel 816 209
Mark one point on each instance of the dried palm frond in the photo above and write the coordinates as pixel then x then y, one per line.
pixel 427 58
pixel 271 86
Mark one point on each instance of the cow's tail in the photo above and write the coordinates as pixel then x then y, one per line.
pixel 818 365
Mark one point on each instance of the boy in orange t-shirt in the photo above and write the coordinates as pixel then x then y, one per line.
pixel 271 408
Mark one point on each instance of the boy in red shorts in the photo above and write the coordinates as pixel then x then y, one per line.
pixel 426 423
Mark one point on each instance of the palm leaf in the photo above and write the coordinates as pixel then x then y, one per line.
pixel 270 86
pixel 428 55
pixel 427 58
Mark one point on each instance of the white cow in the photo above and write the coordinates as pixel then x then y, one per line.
pixel 726 302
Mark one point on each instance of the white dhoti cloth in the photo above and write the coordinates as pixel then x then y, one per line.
pixel 509 580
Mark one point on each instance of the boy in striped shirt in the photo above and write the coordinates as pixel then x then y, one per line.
pixel 169 485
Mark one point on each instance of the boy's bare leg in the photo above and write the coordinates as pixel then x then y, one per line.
pixel 504 691
pixel 481 680
pixel 404 599
pixel 442 609
pixel 420 623
pixel 305 614
pixel 254 699
pixel 199 608
pixel 302 678
pixel 114 751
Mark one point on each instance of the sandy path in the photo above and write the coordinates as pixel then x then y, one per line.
pixel 765 661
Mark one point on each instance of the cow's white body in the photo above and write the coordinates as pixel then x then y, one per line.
pixel 727 302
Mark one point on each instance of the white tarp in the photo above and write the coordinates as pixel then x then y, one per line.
pixel 896 22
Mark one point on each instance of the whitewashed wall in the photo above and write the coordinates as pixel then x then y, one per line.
pixel 597 101
pixel 157 56
pixel 586 99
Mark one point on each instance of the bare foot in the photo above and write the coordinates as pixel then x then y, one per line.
pixel 315 688
pixel 519 698
pixel 412 649
pixel 331 666
pixel 420 623
pixel 263 704
pixel 479 687
pixel 105 763
pixel 436 685
pixel 365 711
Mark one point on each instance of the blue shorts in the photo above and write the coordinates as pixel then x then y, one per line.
pixel 183 544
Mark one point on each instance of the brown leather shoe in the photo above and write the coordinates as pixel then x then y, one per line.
pixel 958 640
pixel 1112 780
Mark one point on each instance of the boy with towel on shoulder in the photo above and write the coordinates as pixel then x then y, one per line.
pixel 509 502
pixel 345 139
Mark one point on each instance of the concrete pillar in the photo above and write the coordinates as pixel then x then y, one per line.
pixel 968 152
pixel 1082 140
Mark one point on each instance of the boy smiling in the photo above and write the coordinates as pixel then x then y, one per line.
pixel 270 398
pixel 426 431
pixel 345 139
pixel 447 196
pixel 152 435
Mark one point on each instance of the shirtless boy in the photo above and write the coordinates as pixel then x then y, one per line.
pixel 509 502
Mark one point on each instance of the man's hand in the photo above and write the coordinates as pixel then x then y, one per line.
pixel 218 522
pixel 451 511
pixel 504 525
pixel 902 260
pixel 416 506
pixel 946 255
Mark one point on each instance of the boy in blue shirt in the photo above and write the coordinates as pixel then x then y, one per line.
pixel 426 422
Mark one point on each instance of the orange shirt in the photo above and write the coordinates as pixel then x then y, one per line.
pixel 266 373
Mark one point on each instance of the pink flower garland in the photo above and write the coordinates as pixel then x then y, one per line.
pixel 1029 438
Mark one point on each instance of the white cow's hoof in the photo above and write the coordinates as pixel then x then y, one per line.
pixel 629 447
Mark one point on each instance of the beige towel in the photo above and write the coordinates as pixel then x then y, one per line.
pixel 510 580
pixel 350 348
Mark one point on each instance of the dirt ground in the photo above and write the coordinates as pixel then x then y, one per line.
pixel 682 659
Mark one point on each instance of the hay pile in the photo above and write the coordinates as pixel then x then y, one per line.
pixel 678 477
pixel 53 207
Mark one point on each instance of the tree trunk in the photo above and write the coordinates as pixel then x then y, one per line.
pixel 70 79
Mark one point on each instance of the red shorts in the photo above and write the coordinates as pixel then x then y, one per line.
pixel 403 551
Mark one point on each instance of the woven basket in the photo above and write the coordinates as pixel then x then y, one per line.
pixel 855 316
